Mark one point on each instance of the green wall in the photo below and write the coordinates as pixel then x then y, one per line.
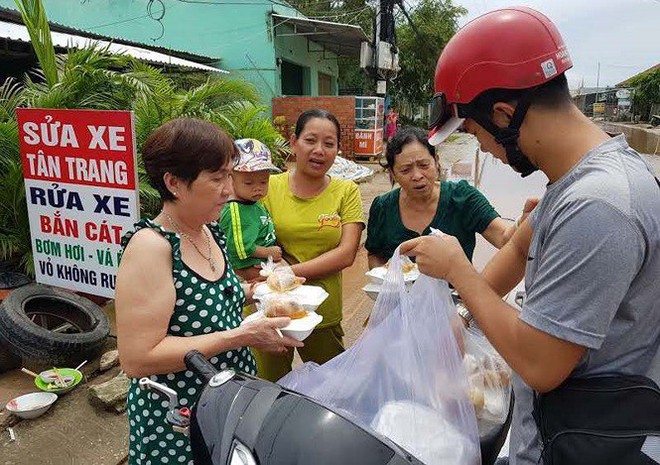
pixel 305 53
pixel 240 35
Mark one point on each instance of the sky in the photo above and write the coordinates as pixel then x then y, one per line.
pixel 623 35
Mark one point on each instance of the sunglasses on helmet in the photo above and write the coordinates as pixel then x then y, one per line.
pixel 444 118
pixel 440 111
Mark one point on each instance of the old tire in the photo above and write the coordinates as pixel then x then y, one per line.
pixel 12 280
pixel 8 360
pixel 52 326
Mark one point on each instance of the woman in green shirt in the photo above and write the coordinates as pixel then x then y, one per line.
pixel 422 203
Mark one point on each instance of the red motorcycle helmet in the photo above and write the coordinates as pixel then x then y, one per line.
pixel 511 48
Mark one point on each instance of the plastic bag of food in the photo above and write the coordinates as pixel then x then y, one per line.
pixel 406 263
pixel 268 267
pixel 490 381
pixel 282 305
pixel 440 441
pixel 404 376
pixel 282 279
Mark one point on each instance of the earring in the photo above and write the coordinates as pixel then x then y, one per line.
pixel 174 194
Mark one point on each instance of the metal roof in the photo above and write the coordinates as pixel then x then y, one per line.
pixel 593 90
pixel 342 39
pixel 18 32
pixel 13 16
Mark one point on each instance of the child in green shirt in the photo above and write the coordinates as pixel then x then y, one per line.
pixel 245 221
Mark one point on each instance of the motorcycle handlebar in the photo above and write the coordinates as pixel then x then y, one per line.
pixel 198 364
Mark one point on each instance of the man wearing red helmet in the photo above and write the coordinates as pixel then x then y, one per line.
pixel 590 251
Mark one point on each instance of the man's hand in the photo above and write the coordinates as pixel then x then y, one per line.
pixel 437 257
pixel 530 204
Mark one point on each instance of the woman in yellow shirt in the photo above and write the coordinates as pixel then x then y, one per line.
pixel 318 223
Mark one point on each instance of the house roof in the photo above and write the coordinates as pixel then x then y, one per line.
pixel 591 90
pixel 18 32
pixel 626 83
pixel 342 39
pixel 12 16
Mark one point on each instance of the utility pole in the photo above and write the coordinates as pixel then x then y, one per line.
pixel 380 58
pixel 384 33
pixel 379 9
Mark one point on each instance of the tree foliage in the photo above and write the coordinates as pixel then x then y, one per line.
pixel 646 92
pixel 92 78
pixel 436 23
pixel 356 12
pixel 34 17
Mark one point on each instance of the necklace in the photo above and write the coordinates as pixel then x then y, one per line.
pixel 189 239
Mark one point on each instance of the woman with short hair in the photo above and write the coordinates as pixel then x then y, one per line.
pixel 177 292
pixel 422 202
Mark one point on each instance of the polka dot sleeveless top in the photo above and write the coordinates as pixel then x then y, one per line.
pixel 201 307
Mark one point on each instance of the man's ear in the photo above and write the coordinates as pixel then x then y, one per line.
pixel 502 114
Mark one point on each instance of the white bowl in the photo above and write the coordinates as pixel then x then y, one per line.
pixel 31 405
pixel 310 297
pixel 377 275
pixel 372 290
pixel 301 328
pixel 298 329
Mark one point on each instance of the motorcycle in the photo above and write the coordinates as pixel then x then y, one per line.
pixel 240 419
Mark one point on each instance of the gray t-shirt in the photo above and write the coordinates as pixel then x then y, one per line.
pixel 593 274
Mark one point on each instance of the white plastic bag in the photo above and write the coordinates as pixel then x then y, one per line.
pixel 268 267
pixel 282 279
pixel 490 381
pixel 277 305
pixel 436 439
pixel 407 265
pixel 404 377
